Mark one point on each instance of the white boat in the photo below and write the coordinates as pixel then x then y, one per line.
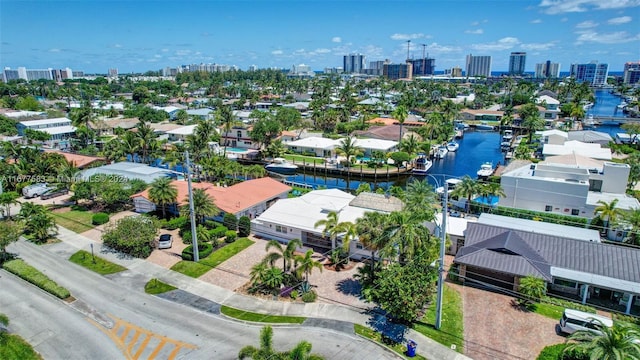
pixel 505 145
pixel 587 106
pixel 441 152
pixel 486 170
pixel 453 146
pixel 622 105
pixel 451 185
pixel 421 164
pixel 484 126
pixel 282 166
pixel 507 135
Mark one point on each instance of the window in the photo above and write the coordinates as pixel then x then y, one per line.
pixel 281 229
pixel 575 212
pixel 595 185
pixel 548 208
pixel 565 283
pixel 359 246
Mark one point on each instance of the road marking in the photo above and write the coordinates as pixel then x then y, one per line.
pixel 127 347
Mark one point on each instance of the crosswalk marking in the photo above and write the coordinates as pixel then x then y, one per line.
pixel 127 346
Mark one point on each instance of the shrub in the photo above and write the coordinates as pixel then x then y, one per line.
pixel 204 250
pixel 244 226
pixel 219 232
pixel 210 224
pixel 177 223
pixel 555 352
pixel 100 218
pixel 309 296
pixel 230 236
pixel 187 237
pixel 132 235
pixel 230 221
pixel 32 275
pixel 569 304
pixel 294 294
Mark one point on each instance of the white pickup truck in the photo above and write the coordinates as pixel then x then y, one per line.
pixel 35 190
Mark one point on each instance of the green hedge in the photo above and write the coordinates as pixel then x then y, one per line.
pixel 32 275
pixel 219 232
pixel 177 223
pixel 244 226
pixel 230 236
pixel 554 352
pixel 100 218
pixel 204 250
pixel 569 304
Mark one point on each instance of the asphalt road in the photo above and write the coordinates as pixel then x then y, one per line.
pixel 125 321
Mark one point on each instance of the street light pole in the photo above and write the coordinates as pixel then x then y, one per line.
pixel 443 240
pixel 194 235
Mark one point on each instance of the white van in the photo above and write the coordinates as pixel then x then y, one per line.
pixel 574 320
pixel 35 190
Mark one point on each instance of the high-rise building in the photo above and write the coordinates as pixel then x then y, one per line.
pixel 517 62
pixel 353 63
pixel 397 71
pixel 8 74
pixel 631 73
pixel 113 72
pixel 376 67
pixel 593 73
pixel 456 71
pixel 253 67
pixel 547 70
pixel 424 66
pixel 478 66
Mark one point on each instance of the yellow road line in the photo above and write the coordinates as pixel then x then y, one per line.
pixel 133 342
pixel 174 353
pixel 157 349
pixel 125 332
pixel 144 344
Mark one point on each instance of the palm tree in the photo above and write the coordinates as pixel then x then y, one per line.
pixel 418 199
pixel 619 342
pixel 410 145
pixel 490 190
pixel 348 148
pixel 226 118
pixel 130 144
pixel 607 212
pixel 407 235
pixel 302 350
pixel 400 114
pixel 306 264
pixel 633 218
pixel 332 227
pixel 467 188
pixel 533 288
pixel 286 253
pixel 203 206
pixel 531 119
pixel 146 135
pixel 370 228
pixel 6 200
pixel 163 193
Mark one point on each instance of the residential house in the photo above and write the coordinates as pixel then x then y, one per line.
pixel 387 132
pixel 481 115
pixel 239 136
pixel 171 110
pixel 551 107
pixel 566 189
pixel 556 137
pixel 249 198
pixel 60 129
pixel 592 272
pixel 368 146
pixel 590 137
pixel 295 218
pixel 181 133
pixel 79 161
pixel 316 146
pixel 592 150
pixel 202 114
pixel 127 170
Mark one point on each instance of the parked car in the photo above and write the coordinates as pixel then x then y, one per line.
pixel 54 193
pixel 165 241
pixel 35 190
pixel 574 320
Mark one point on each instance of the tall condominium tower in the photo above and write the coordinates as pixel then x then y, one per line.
pixel 547 70
pixel 517 62
pixel 353 63
pixel 631 73
pixel 592 73
pixel 478 66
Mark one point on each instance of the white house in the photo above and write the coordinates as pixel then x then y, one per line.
pixel 319 146
pixel 370 145
pixel 202 114
pixel 59 129
pixel 566 189
pixel 295 218
pixel 592 150
pixel 181 133
pixel 551 107
pixel 556 137
pixel 239 136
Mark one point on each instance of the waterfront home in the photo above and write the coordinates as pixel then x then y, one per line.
pixel 127 170
pixel 79 161
pixel 481 115
pixel 60 129
pixel 592 150
pixel 456 227
pixel 368 146
pixel 556 137
pixel 248 198
pixel 550 107
pixel 386 132
pixel 170 110
pixel 316 146
pixel 108 126
pixel 238 137
pixel 295 218
pixel 181 133
pixel 591 137
pixel 594 273
pixel 566 189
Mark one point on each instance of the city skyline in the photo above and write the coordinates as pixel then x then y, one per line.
pixel 137 36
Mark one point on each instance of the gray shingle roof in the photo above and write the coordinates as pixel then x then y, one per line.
pixel 484 246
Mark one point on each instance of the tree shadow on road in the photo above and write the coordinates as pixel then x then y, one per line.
pixel 349 287
pixel 391 332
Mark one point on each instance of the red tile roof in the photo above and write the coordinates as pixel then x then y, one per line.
pixel 79 161
pixel 392 121
pixel 232 199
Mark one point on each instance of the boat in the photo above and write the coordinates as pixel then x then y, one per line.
pixel 451 185
pixel 453 146
pixel 505 145
pixel 421 164
pixel 484 126
pixel 587 106
pixel 459 134
pixel 282 166
pixel 441 152
pixel 622 105
pixel 486 170
pixel 507 135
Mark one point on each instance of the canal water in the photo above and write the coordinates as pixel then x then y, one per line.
pixel 476 148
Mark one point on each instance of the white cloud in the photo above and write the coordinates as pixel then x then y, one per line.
pixel 276 52
pixel 322 51
pixel 610 38
pixel 569 6
pixel 538 46
pixel 475 23
pixel 619 20
pixel 408 36
pixel 502 44
pixel 586 24
pixel 164 50
pixel 183 52
pixel 336 39
pixel 54 50
pixel 157 56
pixel 475 32
pixel 535 21
pixel 435 47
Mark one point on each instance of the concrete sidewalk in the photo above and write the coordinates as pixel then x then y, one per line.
pixel 142 270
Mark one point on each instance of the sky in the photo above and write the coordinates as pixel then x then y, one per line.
pixel 137 36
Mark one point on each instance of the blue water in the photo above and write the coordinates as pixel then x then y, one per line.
pixel 606 104
pixel 476 148
pixel 236 150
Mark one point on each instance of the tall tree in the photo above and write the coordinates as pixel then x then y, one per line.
pixel 348 148
pixel 466 189
pixel 531 119
pixel 163 193
pixel 203 206
pixel 286 253
pixel 7 199
pixel 10 232
pixel 619 342
pixel 400 114
pixel 608 212
pixel 306 264
pixel 332 227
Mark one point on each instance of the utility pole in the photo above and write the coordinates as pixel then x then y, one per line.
pixel 194 235
pixel 443 234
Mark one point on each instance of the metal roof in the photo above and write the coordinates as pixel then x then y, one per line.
pixel 540 227
pixel 613 262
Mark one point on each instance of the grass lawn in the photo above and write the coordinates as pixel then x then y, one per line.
pixel 451 331
pixel 13 347
pixel 155 287
pixel 548 310
pixel 255 317
pixel 297 159
pixel 97 264
pixel 217 257
pixel 377 337
pixel 75 220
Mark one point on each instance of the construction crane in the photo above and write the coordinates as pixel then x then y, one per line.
pixel 424 59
